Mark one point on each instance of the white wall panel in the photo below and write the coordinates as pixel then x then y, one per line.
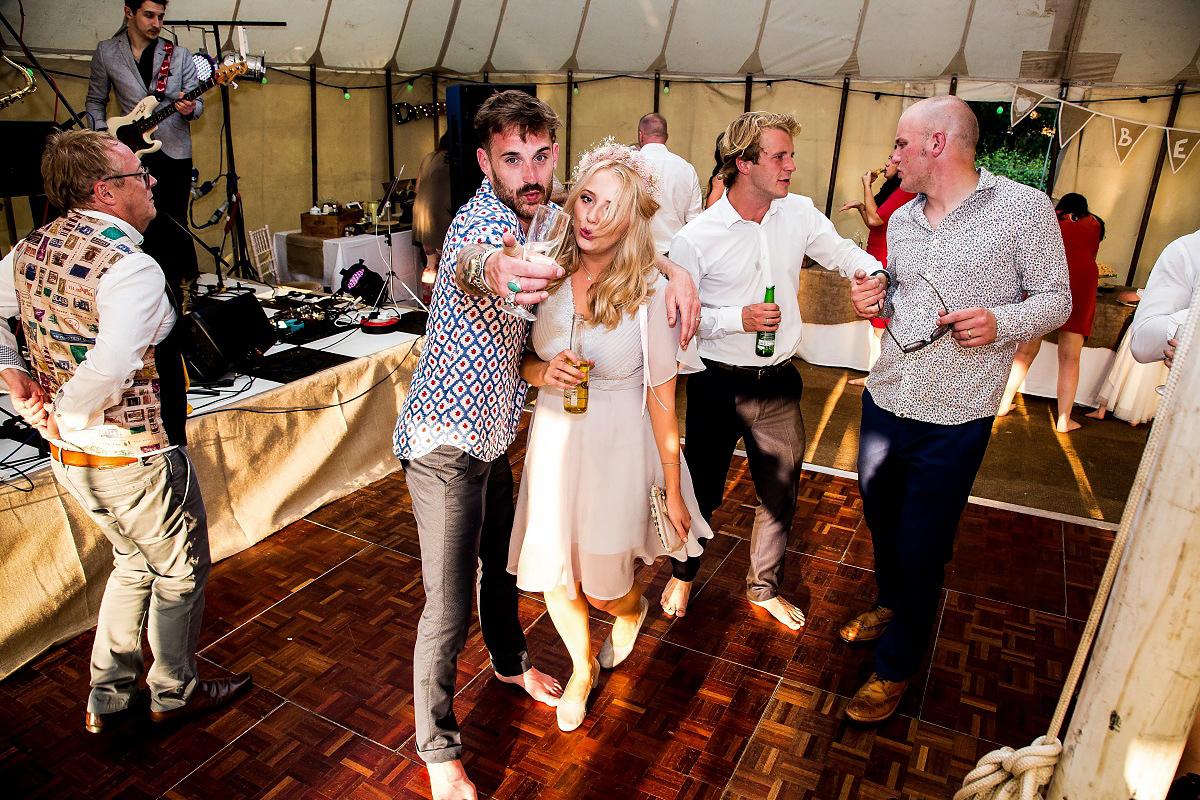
pixel 623 35
pixel 904 39
pixel 714 36
pixel 535 35
pixel 813 37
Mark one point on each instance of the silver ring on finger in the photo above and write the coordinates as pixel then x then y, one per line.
pixel 511 298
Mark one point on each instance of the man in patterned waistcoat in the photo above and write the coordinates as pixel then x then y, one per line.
pixel 105 387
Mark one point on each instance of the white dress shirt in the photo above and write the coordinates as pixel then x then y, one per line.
pixel 134 313
pixel 679 201
pixel 734 260
pixel 1168 295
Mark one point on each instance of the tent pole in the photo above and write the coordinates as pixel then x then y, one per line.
pixel 312 123
pixel 657 89
pixel 837 144
pixel 953 85
pixel 437 133
pixel 1158 165
pixel 387 122
pixel 570 94
pixel 1055 147
pixel 749 93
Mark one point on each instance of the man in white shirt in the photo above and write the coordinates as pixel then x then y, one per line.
pixel 107 391
pixel 679 202
pixel 754 238
pixel 1165 302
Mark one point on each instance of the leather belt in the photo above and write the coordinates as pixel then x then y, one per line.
pixel 74 458
pixel 758 373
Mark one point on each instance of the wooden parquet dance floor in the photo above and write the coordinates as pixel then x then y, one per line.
pixel 721 703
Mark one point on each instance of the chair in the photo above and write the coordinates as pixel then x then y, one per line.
pixel 262 257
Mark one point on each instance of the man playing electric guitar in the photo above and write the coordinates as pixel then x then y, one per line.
pixel 137 63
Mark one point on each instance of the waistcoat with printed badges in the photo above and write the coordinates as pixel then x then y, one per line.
pixel 56 271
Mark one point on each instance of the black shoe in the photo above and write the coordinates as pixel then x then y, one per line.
pixel 1185 787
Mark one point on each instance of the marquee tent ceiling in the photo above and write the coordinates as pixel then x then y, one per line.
pixel 1121 42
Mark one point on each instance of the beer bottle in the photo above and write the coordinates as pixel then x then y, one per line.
pixel 764 344
pixel 575 400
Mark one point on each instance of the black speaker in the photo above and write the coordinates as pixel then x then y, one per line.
pixel 224 333
pixel 23 142
pixel 462 101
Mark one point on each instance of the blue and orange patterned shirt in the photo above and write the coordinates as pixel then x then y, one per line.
pixel 466 391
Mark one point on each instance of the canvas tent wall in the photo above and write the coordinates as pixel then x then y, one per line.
pixel 795 53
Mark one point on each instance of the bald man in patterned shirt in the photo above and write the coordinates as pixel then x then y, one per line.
pixel 975 265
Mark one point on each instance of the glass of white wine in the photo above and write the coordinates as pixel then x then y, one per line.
pixel 547 232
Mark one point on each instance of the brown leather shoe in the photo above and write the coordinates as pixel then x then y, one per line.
pixel 867 626
pixel 876 700
pixel 209 696
pixel 110 721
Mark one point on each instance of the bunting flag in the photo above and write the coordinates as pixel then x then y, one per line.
pixel 1125 135
pixel 1023 103
pixel 1071 119
pixel 1180 144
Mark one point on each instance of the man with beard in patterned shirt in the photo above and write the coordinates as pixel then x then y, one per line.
pixel 461 414
pixel 977 257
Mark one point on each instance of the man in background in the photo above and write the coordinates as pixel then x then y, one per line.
pixel 134 64
pixel 1165 301
pixel 680 200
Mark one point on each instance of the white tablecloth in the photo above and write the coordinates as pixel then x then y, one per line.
pixel 853 345
pixel 346 251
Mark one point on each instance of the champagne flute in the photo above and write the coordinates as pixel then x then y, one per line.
pixel 547 231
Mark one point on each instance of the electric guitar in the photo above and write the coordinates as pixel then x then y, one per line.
pixel 134 129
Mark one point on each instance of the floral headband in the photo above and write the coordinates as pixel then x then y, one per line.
pixel 609 150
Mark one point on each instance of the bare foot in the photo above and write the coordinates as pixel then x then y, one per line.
pixel 675 597
pixel 449 781
pixel 783 611
pixel 1067 425
pixel 1004 412
pixel 857 382
pixel 539 685
pixel 1097 414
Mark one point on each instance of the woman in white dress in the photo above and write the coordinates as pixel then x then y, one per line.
pixel 583 510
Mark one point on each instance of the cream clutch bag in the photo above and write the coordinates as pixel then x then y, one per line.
pixel 662 522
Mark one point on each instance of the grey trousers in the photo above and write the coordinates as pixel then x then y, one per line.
pixel 464 512
pixel 152 513
pixel 722 407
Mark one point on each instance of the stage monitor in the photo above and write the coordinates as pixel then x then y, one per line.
pixel 462 101
pixel 23 142
pixel 224 333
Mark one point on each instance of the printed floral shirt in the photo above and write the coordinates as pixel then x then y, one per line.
pixel 466 391
pixel 1000 249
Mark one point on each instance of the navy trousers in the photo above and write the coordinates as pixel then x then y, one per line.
pixel 915 478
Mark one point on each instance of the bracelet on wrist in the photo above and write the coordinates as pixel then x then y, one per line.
pixel 482 283
pixel 670 463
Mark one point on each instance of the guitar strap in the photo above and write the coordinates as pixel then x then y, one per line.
pixel 164 70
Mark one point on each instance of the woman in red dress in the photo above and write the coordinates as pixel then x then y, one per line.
pixel 1082 232
pixel 875 212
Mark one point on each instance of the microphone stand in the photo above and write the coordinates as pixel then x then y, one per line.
pixel 215 252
